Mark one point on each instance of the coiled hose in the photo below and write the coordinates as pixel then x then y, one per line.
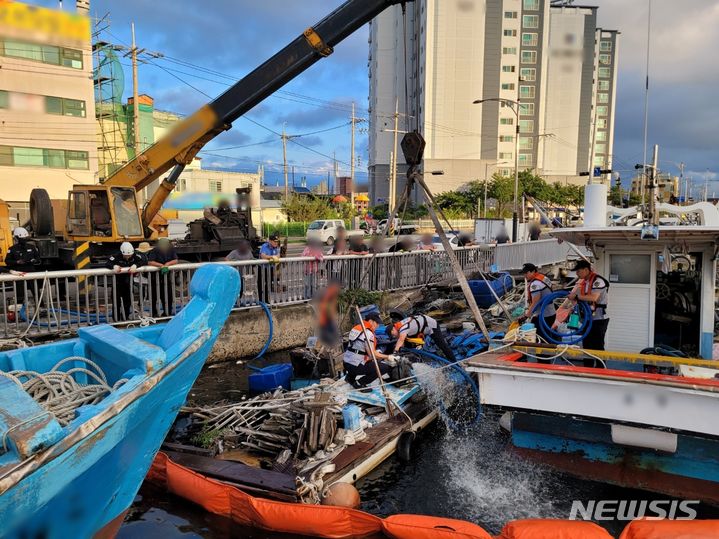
pixel 574 336
pixel 453 425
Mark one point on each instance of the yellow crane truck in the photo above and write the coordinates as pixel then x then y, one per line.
pixel 99 217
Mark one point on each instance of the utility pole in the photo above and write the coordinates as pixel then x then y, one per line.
pixel 336 172
pixel 135 96
pixel 284 159
pixel 393 178
pixel 486 181
pixel 706 186
pixel 352 156
pixel 681 178
pixel 592 148
pixel 392 192
pixel 652 187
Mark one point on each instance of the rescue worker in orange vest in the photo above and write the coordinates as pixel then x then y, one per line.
pixel 593 289
pixel 419 326
pixel 539 286
pixel 357 359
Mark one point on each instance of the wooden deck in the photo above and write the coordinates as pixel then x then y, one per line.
pixel 351 463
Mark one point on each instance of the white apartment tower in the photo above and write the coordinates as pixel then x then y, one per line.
pixel 550 57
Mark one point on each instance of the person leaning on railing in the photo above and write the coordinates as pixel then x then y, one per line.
pixel 249 280
pixel 312 269
pixel 23 257
pixel 163 256
pixel 338 267
pixel 124 264
pixel 359 248
pixel 271 252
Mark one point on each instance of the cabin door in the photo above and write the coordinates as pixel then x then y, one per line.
pixel 631 300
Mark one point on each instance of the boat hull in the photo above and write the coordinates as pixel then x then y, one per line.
pixel 85 488
pixel 687 468
pixel 80 483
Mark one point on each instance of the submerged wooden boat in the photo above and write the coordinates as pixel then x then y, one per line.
pixel 74 472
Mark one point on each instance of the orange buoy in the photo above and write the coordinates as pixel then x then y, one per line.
pixel 552 529
pixel 425 527
pixel 342 495
pixel 661 529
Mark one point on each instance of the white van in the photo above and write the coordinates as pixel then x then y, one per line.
pixel 325 230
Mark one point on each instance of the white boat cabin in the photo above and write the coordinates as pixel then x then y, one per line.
pixel 661 290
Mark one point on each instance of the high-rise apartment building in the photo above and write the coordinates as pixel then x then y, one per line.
pixel 549 57
pixel 47 107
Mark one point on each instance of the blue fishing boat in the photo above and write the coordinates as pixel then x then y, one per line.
pixel 81 420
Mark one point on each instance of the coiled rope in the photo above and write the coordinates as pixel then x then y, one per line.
pixel 59 393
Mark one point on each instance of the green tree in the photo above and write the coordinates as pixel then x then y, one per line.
pixel 306 208
pixel 345 210
pixel 380 211
pixel 574 195
pixel 616 196
pixel 456 204
pixel 501 188
pixel 533 185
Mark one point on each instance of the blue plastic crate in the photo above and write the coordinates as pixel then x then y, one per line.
pixel 271 377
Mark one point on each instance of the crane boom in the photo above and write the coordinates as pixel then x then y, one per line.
pixel 187 138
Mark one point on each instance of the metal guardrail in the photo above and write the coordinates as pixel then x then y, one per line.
pixel 57 303
pixel 508 257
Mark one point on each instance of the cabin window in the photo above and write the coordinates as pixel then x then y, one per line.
pixel 127 218
pixel 630 269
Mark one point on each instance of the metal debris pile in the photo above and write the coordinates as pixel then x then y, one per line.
pixel 289 423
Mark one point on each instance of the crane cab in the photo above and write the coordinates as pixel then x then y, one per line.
pixel 100 213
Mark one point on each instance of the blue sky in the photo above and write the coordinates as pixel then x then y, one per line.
pixel 228 38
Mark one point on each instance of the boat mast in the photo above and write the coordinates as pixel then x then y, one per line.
pixel 646 101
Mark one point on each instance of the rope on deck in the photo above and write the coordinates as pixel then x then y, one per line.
pixel 59 392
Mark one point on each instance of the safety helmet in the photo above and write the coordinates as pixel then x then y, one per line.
pixel 20 232
pixel 126 248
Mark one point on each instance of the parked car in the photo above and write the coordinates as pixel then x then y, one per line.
pixel 397 229
pixel 453 241
pixel 326 230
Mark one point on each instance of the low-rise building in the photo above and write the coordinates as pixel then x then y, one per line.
pixel 47 108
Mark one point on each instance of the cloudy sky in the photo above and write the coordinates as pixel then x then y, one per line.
pixel 206 45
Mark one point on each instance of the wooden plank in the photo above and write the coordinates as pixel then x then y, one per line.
pixel 350 454
pixel 377 436
pixel 237 473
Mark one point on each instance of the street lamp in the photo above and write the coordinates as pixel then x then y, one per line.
pixel 514 105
